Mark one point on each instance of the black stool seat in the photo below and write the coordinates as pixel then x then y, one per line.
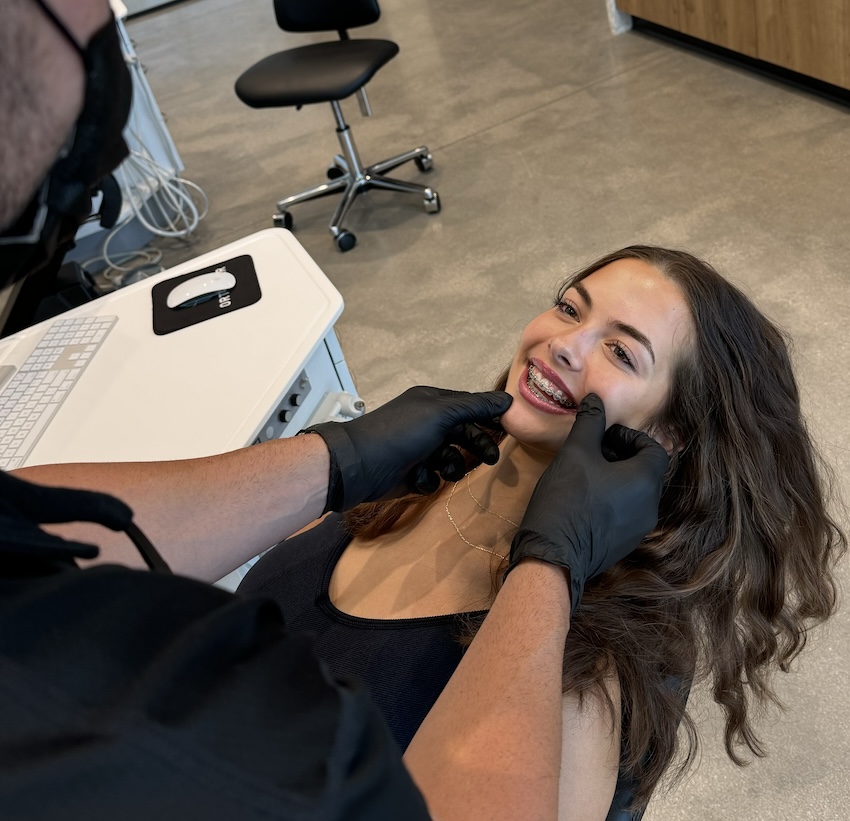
pixel 329 72
pixel 317 73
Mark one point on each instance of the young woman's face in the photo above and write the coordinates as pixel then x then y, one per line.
pixel 616 334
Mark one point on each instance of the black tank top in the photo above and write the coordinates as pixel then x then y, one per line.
pixel 405 663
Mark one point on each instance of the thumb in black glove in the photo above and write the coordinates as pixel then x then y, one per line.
pixel 587 513
pixel 403 445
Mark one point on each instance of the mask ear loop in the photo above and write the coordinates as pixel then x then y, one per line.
pixel 61 27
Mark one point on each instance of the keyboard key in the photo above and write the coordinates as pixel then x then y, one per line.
pixel 31 397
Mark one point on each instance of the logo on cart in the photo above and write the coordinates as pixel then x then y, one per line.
pixel 224 296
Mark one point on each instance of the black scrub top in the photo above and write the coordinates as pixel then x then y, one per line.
pixel 404 663
pixel 136 695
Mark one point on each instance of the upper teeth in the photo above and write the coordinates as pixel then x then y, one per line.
pixel 537 380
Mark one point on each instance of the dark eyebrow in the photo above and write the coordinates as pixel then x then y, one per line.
pixel 584 294
pixel 629 330
pixel 635 334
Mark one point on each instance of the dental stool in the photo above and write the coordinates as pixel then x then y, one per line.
pixel 328 72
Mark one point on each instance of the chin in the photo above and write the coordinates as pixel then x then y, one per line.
pixel 530 430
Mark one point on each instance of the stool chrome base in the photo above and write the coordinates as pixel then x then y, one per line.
pixel 348 176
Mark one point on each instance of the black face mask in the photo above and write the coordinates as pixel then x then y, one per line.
pixel 63 201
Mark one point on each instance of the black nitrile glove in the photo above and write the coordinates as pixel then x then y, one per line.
pixel 587 513
pixel 402 446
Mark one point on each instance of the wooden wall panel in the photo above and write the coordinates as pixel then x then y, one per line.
pixel 662 12
pixel 727 23
pixel 809 36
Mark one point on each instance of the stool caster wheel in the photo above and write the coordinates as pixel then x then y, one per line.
pixel 432 203
pixel 283 220
pixel 345 240
pixel 424 163
pixel 335 172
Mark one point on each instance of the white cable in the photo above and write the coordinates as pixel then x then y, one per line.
pixel 141 178
pixel 162 202
pixel 144 262
pixel 147 258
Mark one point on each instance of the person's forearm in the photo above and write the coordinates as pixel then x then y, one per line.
pixel 205 516
pixel 490 748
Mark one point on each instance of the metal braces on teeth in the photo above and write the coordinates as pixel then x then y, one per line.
pixel 536 381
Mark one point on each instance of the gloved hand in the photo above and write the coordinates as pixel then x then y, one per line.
pixel 402 446
pixel 587 512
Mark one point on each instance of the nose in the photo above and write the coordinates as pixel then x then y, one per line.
pixel 570 347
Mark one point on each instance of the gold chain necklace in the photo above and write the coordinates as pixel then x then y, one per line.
pixel 457 529
pixel 487 509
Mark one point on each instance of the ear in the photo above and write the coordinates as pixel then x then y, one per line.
pixel 668 440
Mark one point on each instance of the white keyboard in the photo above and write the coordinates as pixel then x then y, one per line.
pixel 30 399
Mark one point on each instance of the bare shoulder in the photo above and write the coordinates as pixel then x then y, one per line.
pixel 310 526
pixel 590 753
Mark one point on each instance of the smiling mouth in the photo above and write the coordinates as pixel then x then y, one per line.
pixel 543 389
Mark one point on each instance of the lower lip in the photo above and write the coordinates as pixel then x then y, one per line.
pixel 536 402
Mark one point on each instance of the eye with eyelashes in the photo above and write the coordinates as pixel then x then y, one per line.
pixel 620 352
pixel 566 307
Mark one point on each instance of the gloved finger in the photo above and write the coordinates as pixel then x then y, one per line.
pixel 589 427
pixel 46 505
pixel 478 442
pixel 449 463
pixel 425 480
pixel 649 454
pixel 491 425
pixel 621 443
pixel 479 407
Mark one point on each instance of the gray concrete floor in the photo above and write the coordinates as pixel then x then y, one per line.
pixel 553 141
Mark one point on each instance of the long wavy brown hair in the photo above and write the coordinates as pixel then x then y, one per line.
pixel 740 566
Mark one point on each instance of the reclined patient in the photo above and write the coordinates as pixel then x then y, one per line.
pixel 724 590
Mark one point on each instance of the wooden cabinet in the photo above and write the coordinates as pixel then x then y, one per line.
pixel 811 37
